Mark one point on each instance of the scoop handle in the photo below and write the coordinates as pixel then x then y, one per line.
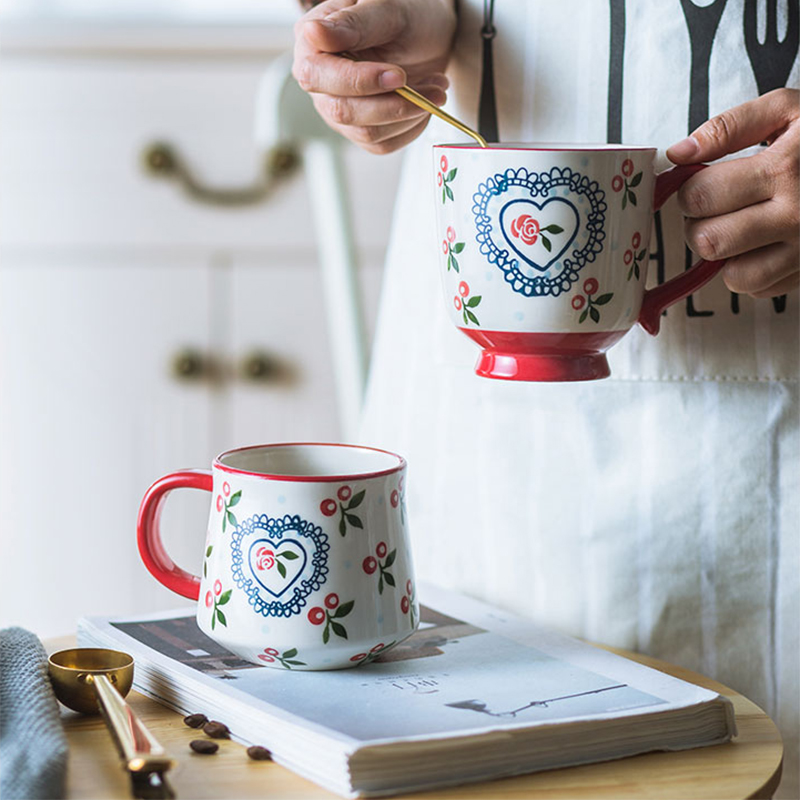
pixel 148 531
pixel 137 746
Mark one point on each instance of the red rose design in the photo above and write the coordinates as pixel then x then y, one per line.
pixel 369 565
pixel 378 648
pixel 344 493
pixel 439 179
pixel 265 657
pixel 590 285
pixel 463 288
pixel 316 616
pixel 525 227
pixel 209 599
pixel 637 239
pixel 409 587
pixel 451 234
pixel 381 549
pixel 265 558
pixel 627 167
pixel 226 488
pixel 443 163
pixel 332 600
pixel 616 183
pixel 220 502
pixel 628 257
pixel 395 497
pixel 358 657
pixel 445 249
pixel 457 303
pixel 404 604
pixel 270 651
pixel 578 302
pixel 217 587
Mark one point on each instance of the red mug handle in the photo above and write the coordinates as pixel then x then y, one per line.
pixel 656 300
pixel 148 531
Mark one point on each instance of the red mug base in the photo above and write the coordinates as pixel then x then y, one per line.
pixel 543 357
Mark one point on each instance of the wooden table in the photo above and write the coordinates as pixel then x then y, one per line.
pixel 749 766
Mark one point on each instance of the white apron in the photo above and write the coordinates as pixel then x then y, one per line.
pixel 656 510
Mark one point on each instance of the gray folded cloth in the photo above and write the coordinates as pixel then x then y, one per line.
pixel 33 747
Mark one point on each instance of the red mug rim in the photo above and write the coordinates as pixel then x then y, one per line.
pixel 326 478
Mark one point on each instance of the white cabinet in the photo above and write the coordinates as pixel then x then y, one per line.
pixel 105 276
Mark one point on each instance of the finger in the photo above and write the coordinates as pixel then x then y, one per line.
pixel 334 75
pixel 382 109
pixel 398 142
pixel 727 186
pixel 739 127
pixel 370 135
pixel 740 231
pixel 369 23
pixel 765 272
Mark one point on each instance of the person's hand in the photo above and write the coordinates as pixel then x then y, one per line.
pixel 395 42
pixel 747 210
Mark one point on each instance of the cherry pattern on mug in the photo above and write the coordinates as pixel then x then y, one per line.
pixel 215 599
pixel 209 550
pixel 225 502
pixel 329 507
pixel 464 303
pixel 444 178
pixel 372 563
pixel 450 247
pixel 398 500
pixel 285 659
pixel 620 183
pixel 407 601
pixel 634 257
pixel 317 615
pixel 589 303
pixel 375 652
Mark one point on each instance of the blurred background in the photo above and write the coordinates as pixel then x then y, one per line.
pixel 189 262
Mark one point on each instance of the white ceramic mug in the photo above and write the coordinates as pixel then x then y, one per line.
pixel 544 252
pixel 307 563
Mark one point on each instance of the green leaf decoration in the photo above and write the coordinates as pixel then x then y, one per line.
pixel 232 518
pixel 224 597
pixel 344 609
pixel 213 620
pixel 636 179
pixel 326 635
pixel 444 197
pixel 633 198
pixel 290 653
pixel 205 570
pixel 449 192
pixel 224 522
pixel 380 584
pixel 288 555
pixel 281 569
pixel 603 299
pixel 466 321
pixel 297 663
pixel 594 314
pixel 473 317
pixel 641 255
pixel 339 629
pixel 342 526
pixel 630 273
pixel 389 578
pixel 636 269
pixel 357 499
pixel 235 498
pixel 474 301
pixel 546 243
pixel 625 199
pixel 458 247
pixel 583 316
pixel 390 559
pixel 221 618
pixel 455 263
pixel 451 174
pixel 554 229
pixel 450 263
pixel 210 548
pixel 355 521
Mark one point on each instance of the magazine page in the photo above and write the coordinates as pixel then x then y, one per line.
pixel 468 669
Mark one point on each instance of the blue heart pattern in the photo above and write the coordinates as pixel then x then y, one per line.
pixel 527 225
pixel 539 233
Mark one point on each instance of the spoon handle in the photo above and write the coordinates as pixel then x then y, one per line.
pixel 422 102
pixel 138 747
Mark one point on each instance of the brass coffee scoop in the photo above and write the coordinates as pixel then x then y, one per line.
pixel 92 680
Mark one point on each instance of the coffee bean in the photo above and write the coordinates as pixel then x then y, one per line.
pixel 216 730
pixel 195 720
pixel 204 746
pixel 258 753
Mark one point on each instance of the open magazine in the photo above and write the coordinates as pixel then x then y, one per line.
pixel 476 693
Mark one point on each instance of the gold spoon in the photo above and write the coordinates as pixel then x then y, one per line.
pixel 417 99
pixel 88 680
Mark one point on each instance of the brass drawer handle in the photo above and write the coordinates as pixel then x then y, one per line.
pixel 161 160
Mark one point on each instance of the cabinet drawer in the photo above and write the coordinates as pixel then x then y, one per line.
pixel 71 138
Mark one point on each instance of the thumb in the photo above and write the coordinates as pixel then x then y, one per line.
pixel 369 23
pixel 733 130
